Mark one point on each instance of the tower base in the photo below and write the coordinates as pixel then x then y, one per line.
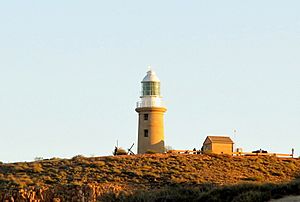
pixel 151 130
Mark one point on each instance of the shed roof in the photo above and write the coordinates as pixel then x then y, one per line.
pixel 218 139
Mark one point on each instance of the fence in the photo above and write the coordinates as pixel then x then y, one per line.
pixel 233 153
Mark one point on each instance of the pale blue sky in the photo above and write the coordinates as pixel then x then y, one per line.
pixel 70 74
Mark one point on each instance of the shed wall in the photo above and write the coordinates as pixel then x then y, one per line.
pixel 221 148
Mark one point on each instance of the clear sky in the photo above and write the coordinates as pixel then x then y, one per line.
pixel 70 74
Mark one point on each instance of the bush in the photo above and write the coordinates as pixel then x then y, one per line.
pixel 78 157
pixel 120 151
pixel 38 158
pixel 37 167
pixel 150 152
pixel 168 148
pixel 250 196
pixel 257 178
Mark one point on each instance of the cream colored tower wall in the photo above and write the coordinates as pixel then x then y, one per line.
pixel 155 126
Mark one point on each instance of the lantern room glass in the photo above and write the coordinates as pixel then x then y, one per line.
pixel 151 88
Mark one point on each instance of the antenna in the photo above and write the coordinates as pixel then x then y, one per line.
pixel 234 138
pixel 234 133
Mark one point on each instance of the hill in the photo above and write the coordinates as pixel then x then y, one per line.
pixel 149 177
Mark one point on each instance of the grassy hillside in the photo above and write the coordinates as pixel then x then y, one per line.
pixel 131 176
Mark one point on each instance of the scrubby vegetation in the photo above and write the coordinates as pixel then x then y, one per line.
pixel 213 193
pixel 168 176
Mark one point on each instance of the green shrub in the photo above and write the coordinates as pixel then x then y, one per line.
pixel 251 196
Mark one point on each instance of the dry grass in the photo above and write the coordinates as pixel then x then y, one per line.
pixel 145 172
pixel 150 170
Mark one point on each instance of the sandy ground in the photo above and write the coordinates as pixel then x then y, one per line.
pixel 287 199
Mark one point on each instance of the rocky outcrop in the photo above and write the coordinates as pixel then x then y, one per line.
pixel 83 193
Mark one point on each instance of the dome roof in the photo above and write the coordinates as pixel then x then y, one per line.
pixel 151 76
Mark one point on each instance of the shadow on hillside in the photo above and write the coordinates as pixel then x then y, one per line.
pixel 297 176
pixel 210 192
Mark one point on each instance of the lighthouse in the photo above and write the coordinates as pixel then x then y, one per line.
pixel 151 111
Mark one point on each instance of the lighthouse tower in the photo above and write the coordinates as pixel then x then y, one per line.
pixel 151 116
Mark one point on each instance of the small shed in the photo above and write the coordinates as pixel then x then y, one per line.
pixel 218 145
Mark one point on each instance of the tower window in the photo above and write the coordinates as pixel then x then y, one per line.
pixel 146 116
pixel 146 133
